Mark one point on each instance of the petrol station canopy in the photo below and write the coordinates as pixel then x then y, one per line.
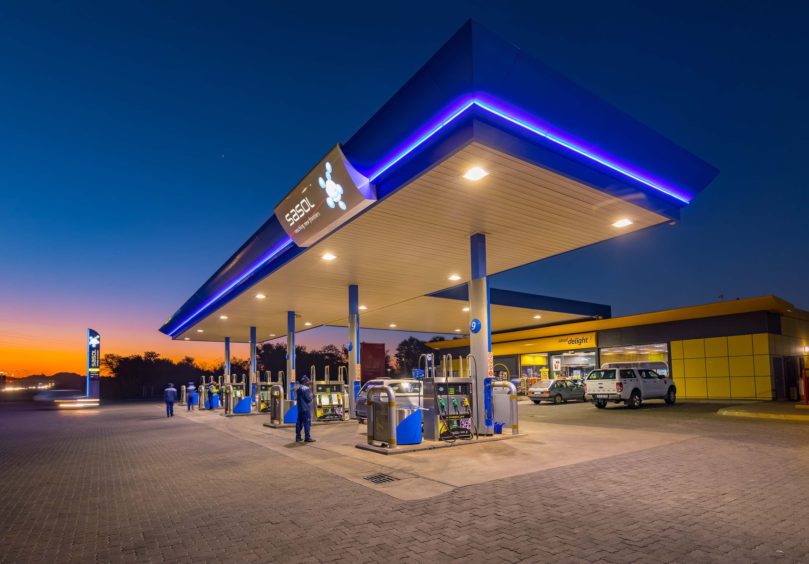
pixel 482 139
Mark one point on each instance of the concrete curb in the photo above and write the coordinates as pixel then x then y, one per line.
pixel 735 412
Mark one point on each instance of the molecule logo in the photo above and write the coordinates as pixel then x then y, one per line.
pixel 95 340
pixel 333 190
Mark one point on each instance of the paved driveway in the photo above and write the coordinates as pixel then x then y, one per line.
pixel 126 484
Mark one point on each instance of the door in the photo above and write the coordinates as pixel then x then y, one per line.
pixel 653 384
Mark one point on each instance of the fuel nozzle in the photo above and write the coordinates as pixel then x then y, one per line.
pixel 466 404
pixel 455 404
pixel 442 406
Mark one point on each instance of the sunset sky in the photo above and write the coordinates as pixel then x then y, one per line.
pixel 142 143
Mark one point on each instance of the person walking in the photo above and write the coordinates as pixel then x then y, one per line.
pixel 304 397
pixel 170 396
pixel 191 396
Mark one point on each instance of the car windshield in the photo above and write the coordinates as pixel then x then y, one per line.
pixel 601 375
pixel 544 383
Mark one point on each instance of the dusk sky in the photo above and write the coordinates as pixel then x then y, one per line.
pixel 142 143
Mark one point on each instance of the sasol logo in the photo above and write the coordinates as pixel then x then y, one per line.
pixel 94 341
pixel 333 190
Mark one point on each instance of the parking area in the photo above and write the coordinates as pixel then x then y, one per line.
pixel 658 484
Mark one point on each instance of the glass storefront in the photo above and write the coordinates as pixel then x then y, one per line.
pixel 543 366
pixel 654 357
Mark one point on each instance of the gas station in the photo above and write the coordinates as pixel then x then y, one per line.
pixel 484 161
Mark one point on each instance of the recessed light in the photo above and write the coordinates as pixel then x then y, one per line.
pixel 200 330
pixel 272 334
pixel 328 256
pixel 457 330
pixel 260 296
pixel 466 308
pixel 454 277
pixel 362 307
pixel 475 173
pixel 623 223
pixel 308 324
pixel 186 338
pixel 537 317
pixel 223 317
pixel 392 325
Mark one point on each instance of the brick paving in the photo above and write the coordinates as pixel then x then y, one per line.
pixel 125 484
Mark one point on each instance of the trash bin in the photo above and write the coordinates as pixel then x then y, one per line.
pixel 408 426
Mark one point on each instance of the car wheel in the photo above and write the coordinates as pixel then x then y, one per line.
pixel 634 400
pixel 600 404
pixel 671 396
pixel 536 402
pixel 557 399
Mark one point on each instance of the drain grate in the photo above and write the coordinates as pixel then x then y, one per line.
pixel 380 478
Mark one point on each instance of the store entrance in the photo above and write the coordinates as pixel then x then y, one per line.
pixel 572 365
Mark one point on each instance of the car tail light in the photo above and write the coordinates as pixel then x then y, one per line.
pixel 619 387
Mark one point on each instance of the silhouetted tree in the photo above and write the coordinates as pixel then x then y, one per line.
pixel 408 353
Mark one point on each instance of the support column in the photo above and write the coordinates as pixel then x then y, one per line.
pixel 251 373
pixel 354 368
pixel 227 360
pixel 480 334
pixel 291 354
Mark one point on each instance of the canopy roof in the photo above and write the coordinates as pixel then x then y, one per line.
pixel 563 167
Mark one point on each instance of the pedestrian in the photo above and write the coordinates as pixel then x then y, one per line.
pixel 191 396
pixel 170 396
pixel 304 398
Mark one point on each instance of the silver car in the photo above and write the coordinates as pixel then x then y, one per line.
pixel 408 394
pixel 557 391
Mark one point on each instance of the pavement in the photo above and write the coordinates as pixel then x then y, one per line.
pixel 659 484
pixel 783 411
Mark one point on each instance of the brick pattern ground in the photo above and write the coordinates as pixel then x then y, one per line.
pixel 125 484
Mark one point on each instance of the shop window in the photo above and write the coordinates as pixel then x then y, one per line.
pixel 648 357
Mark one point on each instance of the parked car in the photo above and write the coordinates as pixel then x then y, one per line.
pixel 630 386
pixel 557 391
pixel 408 394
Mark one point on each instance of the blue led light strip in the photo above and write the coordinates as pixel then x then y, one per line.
pixel 491 107
pixel 282 246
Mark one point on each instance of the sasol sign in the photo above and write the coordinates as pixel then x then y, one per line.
pixel 332 193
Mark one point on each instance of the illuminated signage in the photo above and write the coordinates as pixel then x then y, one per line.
pixel 561 343
pixel 332 193
pixel 93 362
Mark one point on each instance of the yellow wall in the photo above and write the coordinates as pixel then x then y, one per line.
pixel 736 367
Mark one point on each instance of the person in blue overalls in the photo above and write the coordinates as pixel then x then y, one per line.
pixel 170 396
pixel 304 399
pixel 191 396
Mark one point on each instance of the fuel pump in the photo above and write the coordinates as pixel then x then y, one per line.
pixel 448 402
pixel 330 398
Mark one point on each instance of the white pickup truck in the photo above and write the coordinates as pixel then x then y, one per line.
pixel 627 385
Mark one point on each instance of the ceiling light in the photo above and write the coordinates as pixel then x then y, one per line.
pixel 457 330
pixel 200 330
pixel 466 308
pixel 392 325
pixel 328 256
pixel 454 277
pixel 260 296
pixel 475 173
pixel 622 223
pixel 537 317
pixel 186 338
pixel 362 307
pixel 272 334
pixel 308 324
pixel 223 317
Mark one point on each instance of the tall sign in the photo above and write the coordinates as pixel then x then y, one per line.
pixel 93 362
pixel 332 193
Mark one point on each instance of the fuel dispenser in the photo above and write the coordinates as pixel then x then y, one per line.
pixel 183 395
pixel 449 400
pixel 330 398
pixel 202 394
pixel 263 393
pixel 241 401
